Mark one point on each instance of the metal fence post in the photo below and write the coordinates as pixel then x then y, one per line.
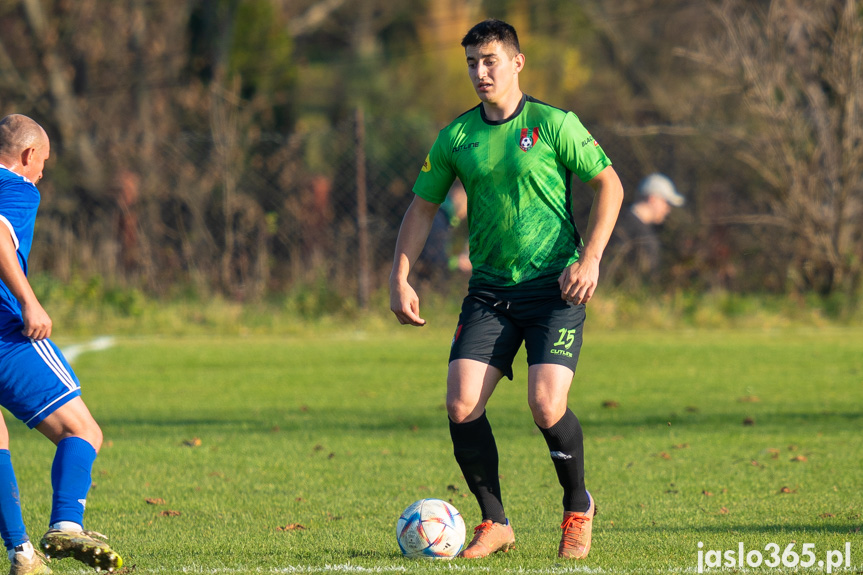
pixel 363 273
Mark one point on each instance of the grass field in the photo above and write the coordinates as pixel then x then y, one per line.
pixel 720 437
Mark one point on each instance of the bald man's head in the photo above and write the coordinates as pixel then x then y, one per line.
pixel 24 146
pixel 17 133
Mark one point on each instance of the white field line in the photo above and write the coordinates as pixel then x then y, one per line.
pixel 100 343
pixel 451 567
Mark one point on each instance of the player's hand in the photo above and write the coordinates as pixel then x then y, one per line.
pixel 37 323
pixel 578 281
pixel 405 303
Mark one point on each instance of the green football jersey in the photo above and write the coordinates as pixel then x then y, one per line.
pixel 517 176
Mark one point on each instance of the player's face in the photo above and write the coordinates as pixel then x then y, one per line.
pixel 493 72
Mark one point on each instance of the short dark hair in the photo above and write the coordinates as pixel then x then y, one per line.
pixel 492 30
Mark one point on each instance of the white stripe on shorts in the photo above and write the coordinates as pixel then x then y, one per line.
pixel 27 423
pixel 46 352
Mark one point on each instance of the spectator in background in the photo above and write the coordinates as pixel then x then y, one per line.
pixel 634 247
pixel 445 251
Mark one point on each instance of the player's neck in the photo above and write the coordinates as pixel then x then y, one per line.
pixel 504 108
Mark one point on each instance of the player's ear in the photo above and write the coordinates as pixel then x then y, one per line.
pixel 519 62
pixel 27 156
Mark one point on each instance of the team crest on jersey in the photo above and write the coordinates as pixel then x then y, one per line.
pixel 528 139
pixel 427 164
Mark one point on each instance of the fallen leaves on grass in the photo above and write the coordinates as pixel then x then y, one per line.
pixel 786 489
pixel 610 404
pixel 800 458
pixel 154 501
pixel 170 513
pixel 194 442
pixel 291 527
pixel 692 409
pixel 452 488
pixel 748 421
pixel 826 515
pixel 706 493
pixel 681 446
pixel 723 510
pixel 774 453
pixel 663 455
pixel 748 399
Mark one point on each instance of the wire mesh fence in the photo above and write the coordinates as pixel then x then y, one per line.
pixel 245 214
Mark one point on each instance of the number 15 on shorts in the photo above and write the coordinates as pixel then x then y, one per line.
pixel 562 345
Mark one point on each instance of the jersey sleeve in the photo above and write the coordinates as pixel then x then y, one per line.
pixel 579 151
pixel 18 205
pixel 437 173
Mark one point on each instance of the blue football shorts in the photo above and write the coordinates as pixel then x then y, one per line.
pixel 35 378
pixel 494 323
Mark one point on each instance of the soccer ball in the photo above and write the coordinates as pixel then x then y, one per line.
pixel 430 529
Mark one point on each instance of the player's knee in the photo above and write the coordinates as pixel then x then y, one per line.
pixel 88 431
pixel 546 413
pixel 94 436
pixel 460 411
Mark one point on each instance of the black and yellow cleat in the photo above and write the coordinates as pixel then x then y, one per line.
pixel 83 546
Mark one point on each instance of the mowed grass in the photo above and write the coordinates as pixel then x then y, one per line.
pixel 719 437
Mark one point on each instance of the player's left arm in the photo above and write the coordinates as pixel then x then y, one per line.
pixel 37 322
pixel 578 281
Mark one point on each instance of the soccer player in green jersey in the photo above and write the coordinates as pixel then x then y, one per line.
pixel 532 273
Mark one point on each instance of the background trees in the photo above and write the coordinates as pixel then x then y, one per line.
pixel 212 144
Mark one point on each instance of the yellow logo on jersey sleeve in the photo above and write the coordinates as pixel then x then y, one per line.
pixel 427 165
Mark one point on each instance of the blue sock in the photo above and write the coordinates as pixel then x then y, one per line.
pixel 11 522
pixel 70 478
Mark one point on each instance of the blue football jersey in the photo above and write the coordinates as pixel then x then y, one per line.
pixel 19 202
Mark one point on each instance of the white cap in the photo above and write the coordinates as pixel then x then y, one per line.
pixel 659 185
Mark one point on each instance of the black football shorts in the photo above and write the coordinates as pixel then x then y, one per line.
pixel 493 324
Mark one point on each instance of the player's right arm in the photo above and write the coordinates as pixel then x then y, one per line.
pixel 414 231
pixel 37 323
pixel 430 189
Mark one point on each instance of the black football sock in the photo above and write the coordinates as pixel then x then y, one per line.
pixel 566 446
pixel 476 454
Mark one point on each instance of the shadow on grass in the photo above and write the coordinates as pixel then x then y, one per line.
pixel 728 420
pixel 370 422
pixel 764 529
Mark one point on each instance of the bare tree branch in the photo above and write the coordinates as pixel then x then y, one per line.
pixel 314 17
pixel 66 110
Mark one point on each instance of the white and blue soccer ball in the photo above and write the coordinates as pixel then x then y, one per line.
pixel 430 529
